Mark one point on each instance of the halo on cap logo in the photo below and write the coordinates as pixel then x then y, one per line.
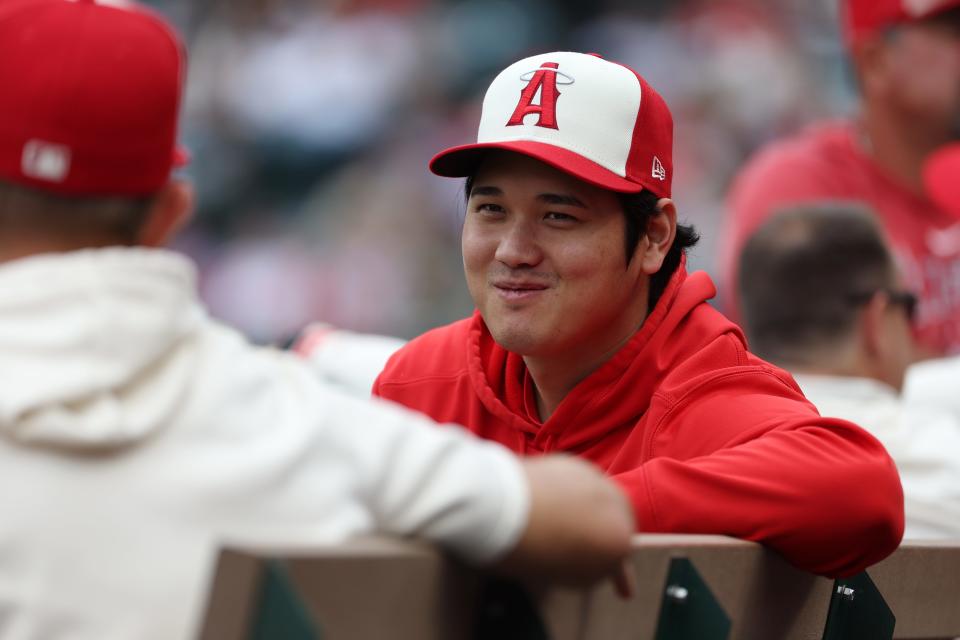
pixel 542 82
pixel 562 78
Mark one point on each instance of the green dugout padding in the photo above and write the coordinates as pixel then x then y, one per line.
pixel 688 609
pixel 858 611
pixel 279 612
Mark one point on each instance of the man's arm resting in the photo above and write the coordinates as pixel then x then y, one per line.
pixel 579 527
pixel 824 494
pixel 556 517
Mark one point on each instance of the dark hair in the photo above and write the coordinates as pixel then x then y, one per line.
pixel 800 275
pixel 117 218
pixel 638 208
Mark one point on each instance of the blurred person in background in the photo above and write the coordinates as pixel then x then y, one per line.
pixel 933 382
pixel 137 435
pixel 591 338
pixel 821 297
pixel 906 60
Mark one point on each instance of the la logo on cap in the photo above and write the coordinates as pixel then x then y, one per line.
pixel 45 161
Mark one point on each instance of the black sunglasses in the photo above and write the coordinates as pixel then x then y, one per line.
pixel 900 298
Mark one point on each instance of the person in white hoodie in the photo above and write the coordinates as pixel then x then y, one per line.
pixel 822 298
pixel 138 436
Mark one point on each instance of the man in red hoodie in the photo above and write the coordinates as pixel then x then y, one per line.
pixel 590 337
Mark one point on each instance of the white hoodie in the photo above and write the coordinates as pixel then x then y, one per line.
pixel 137 436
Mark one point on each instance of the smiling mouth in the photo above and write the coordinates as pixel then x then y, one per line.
pixel 516 292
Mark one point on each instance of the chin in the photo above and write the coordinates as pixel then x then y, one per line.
pixel 517 340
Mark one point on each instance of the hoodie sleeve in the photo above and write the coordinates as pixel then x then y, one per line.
pixel 747 456
pixel 283 460
pixel 421 480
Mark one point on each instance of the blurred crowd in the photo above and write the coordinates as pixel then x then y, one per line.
pixel 311 123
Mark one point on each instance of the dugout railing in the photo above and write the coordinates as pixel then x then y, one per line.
pixel 688 587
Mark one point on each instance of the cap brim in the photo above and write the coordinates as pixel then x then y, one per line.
pixel 462 161
pixel 181 157
pixel 941 177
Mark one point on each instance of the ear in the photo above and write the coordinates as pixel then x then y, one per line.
pixel 171 209
pixel 871 325
pixel 656 242
pixel 871 62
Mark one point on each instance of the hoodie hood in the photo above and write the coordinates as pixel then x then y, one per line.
pixel 618 393
pixel 88 345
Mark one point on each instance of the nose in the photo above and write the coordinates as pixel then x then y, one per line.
pixel 518 246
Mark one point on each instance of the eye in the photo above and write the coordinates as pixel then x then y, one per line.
pixel 560 218
pixel 489 209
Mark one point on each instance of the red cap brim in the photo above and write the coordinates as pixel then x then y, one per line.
pixel 181 157
pixel 941 177
pixel 462 161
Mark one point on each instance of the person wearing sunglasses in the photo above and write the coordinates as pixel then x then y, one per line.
pixel 822 297
pixel 904 58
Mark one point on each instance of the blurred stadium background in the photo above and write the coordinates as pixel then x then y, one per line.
pixel 311 123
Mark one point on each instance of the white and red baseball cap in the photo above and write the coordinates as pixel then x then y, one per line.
pixel 90 97
pixel 863 18
pixel 594 119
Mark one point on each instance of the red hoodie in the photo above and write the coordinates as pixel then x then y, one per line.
pixel 703 436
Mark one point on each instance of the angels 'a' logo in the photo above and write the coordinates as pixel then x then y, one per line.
pixel 543 80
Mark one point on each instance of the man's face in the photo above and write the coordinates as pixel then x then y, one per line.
pixel 923 70
pixel 544 259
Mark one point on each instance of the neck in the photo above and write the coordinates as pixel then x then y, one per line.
pixel 899 145
pixel 826 369
pixel 24 246
pixel 843 361
pixel 555 376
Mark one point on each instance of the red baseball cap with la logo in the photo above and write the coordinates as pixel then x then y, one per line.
pixel 862 18
pixel 90 98
pixel 594 119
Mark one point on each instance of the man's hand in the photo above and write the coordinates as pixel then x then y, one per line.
pixel 625 580
pixel 579 528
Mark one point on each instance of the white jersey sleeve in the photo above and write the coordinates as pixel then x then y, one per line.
pixel 436 482
pixel 311 463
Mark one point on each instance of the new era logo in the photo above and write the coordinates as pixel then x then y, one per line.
pixel 45 161
pixel 658 171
